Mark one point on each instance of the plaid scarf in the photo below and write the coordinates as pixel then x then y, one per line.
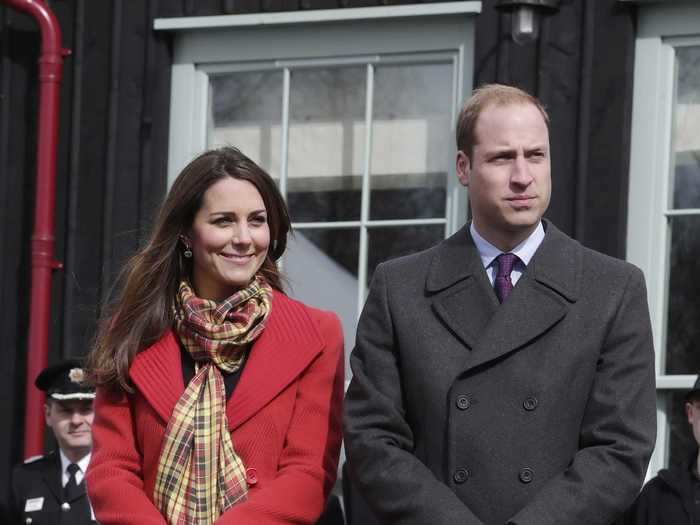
pixel 199 473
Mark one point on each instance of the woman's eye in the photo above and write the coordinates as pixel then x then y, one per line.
pixel 259 219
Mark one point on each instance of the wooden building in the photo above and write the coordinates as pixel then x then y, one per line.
pixel 350 104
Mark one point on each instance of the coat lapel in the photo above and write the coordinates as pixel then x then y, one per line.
pixel 462 295
pixel 288 344
pixel 539 300
pixel 157 374
pixel 52 476
pixel 285 349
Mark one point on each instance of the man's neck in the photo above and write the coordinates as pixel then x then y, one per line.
pixel 504 241
pixel 75 455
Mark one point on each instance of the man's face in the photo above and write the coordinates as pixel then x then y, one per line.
pixel 508 174
pixel 71 422
pixel 692 410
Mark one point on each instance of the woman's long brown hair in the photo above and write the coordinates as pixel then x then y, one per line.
pixel 142 309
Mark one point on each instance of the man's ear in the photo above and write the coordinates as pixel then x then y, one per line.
pixel 689 412
pixel 464 167
pixel 47 412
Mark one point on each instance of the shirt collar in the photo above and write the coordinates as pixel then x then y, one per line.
pixel 83 463
pixel 525 250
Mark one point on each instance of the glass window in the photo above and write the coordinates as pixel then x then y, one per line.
pixel 683 296
pixel 411 137
pixel 326 143
pixel 244 111
pixel 680 353
pixel 356 198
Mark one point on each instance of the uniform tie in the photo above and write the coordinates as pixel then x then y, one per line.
pixel 71 491
pixel 502 282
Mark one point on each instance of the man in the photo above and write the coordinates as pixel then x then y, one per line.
pixel 50 489
pixel 673 497
pixel 505 375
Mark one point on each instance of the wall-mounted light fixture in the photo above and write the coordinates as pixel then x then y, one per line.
pixel 525 16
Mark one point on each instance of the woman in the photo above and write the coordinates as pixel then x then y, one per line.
pixel 219 398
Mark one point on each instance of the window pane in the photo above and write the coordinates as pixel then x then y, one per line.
pixel 410 141
pixel 683 326
pixel 245 111
pixel 390 242
pixel 326 143
pixel 686 139
pixel 321 268
pixel 681 440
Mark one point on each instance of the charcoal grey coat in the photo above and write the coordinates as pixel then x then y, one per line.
pixel 538 411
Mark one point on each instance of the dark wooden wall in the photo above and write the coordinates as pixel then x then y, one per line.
pixel 113 145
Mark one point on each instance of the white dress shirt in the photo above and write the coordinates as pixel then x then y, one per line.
pixel 525 250
pixel 82 465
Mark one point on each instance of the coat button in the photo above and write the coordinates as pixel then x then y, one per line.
pixel 461 475
pixel 463 402
pixel 526 475
pixel 251 476
pixel 530 403
pixel 65 507
pixel 28 520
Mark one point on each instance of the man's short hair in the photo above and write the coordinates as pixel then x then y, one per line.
pixel 483 97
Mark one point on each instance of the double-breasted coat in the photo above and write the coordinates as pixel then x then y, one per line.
pixel 537 411
pixel 284 417
pixel 38 499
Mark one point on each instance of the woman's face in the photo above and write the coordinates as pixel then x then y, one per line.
pixel 229 238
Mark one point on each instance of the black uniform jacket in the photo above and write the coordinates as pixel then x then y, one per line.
pixel 537 411
pixel 37 495
pixel 671 498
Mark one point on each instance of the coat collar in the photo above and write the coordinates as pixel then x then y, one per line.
pixel 465 301
pixel 286 347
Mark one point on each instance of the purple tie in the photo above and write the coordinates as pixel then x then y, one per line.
pixel 502 282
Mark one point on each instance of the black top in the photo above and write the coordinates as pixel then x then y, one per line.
pixel 671 498
pixel 696 494
pixel 38 496
pixel 230 380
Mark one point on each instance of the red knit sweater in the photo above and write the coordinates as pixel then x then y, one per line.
pixel 284 417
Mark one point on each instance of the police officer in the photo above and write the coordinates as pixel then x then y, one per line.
pixel 50 490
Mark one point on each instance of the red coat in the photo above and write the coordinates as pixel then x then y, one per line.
pixel 284 416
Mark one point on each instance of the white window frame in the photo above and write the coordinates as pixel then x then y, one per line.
pixel 660 30
pixel 356 35
pixel 368 36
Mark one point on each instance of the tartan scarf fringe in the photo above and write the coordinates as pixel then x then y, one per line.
pixel 200 475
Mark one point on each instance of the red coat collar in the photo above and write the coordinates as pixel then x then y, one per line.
pixel 288 344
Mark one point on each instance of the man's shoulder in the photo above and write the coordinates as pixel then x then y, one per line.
pixel 413 261
pixel 36 464
pixel 675 477
pixel 595 261
pixel 421 261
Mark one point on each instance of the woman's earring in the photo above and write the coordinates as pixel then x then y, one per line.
pixel 188 251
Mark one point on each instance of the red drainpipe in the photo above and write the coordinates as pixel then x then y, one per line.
pixel 50 68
